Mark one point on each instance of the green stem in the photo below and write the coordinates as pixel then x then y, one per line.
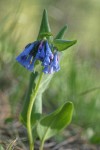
pixel 32 99
pixel 41 146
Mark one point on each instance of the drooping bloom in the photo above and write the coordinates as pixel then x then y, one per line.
pixel 26 58
pixel 39 50
pixel 48 55
pixel 53 66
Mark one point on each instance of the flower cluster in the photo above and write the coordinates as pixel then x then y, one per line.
pixel 42 51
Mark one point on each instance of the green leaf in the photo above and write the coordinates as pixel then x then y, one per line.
pixel 32 84
pixel 61 33
pixel 62 45
pixel 37 108
pixel 51 124
pixel 45 27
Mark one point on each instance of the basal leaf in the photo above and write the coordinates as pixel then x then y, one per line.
pixel 55 122
pixel 62 45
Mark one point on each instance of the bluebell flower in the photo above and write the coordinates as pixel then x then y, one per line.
pixel 53 66
pixel 26 58
pixel 39 50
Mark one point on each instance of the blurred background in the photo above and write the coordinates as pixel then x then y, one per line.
pixel 79 78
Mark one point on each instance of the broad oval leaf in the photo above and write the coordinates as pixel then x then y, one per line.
pixel 62 45
pixel 51 124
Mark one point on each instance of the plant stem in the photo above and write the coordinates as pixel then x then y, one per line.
pixel 32 99
pixel 41 145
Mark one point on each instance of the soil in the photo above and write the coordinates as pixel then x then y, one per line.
pixel 14 135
